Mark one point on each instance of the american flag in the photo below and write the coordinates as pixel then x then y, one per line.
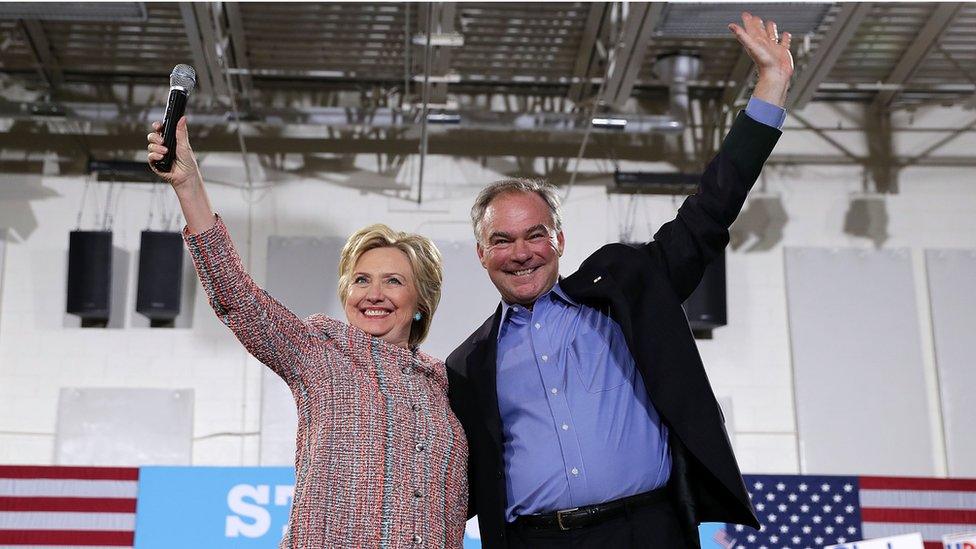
pixel 67 506
pixel 807 511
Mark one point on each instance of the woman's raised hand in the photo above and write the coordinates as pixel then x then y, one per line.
pixel 184 170
pixel 184 176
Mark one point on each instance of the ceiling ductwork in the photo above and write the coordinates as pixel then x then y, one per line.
pixel 678 70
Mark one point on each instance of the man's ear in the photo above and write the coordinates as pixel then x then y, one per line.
pixel 560 242
pixel 481 255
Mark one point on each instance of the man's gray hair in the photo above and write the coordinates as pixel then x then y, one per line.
pixel 546 191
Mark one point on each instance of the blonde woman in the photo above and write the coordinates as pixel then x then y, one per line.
pixel 381 461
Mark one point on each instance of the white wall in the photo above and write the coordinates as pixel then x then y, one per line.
pixel 42 349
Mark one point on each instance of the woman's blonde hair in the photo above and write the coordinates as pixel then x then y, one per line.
pixel 425 260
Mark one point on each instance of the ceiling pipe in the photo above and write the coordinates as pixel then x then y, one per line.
pixel 678 71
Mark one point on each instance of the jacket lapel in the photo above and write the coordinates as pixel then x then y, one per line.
pixel 596 288
pixel 482 365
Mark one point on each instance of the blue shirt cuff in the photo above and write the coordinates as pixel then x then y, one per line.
pixel 766 113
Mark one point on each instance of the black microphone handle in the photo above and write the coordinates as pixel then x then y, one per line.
pixel 175 107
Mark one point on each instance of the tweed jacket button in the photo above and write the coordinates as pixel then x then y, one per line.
pixel 417 540
pixel 406 369
pixel 418 494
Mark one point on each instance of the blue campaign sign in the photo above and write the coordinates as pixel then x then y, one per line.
pixel 215 507
pixel 212 507
pixel 713 536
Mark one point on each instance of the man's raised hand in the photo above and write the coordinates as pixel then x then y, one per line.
pixel 771 54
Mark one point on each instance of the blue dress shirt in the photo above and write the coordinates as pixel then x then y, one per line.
pixel 578 426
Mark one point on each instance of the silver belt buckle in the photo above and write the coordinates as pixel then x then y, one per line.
pixel 559 517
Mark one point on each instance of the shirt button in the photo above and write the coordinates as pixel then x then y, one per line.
pixel 537 325
pixel 545 358
pixel 554 390
pixel 515 308
pixel 575 471
pixel 417 540
pixel 565 427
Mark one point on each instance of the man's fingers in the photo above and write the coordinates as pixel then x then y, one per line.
pixel 771 31
pixel 743 36
pixel 786 40
pixel 753 24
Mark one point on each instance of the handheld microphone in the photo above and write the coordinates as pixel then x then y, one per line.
pixel 181 83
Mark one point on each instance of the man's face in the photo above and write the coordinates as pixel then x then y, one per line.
pixel 520 247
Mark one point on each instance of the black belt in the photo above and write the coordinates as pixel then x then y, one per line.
pixel 578 517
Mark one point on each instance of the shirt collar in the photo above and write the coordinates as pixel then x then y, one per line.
pixel 556 292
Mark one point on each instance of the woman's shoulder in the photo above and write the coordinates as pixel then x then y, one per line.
pixel 428 359
pixel 324 325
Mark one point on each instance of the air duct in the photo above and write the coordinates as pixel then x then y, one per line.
pixel 677 70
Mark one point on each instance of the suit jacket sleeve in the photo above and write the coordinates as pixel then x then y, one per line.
pixel 700 231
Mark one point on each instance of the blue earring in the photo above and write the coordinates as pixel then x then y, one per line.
pixel 417 316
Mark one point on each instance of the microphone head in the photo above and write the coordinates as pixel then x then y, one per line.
pixel 183 76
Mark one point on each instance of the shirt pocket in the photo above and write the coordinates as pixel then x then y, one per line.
pixel 590 355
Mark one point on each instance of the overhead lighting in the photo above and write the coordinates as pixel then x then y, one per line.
pixel 443 118
pixel 449 78
pixel 74 11
pixel 444 40
pixel 610 123
pixel 47 109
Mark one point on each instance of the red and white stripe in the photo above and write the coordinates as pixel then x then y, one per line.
pixel 932 506
pixel 68 506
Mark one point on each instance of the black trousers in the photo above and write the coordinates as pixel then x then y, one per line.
pixel 653 526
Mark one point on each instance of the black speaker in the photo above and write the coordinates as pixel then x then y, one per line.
pixel 90 274
pixel 705 307
pixel 160 275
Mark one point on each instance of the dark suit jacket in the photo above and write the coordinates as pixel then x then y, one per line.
pixel 643 289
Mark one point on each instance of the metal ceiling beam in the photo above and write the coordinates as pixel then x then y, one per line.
pixel 199 25
pixel 283 121
pixel 925 40
pixel 834 42
pixel 47 63
pixel 238 52
pixel 444 37
pixel 628 55
pixel 590 52
pixel 460 143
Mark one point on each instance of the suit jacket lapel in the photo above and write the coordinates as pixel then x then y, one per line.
pixel 596 288
pixel 483 367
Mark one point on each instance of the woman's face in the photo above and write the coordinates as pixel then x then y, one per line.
pixel 382 296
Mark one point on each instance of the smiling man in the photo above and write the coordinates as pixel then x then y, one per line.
pixel 590 419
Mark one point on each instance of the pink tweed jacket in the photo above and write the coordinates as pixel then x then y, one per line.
pixel 381 460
